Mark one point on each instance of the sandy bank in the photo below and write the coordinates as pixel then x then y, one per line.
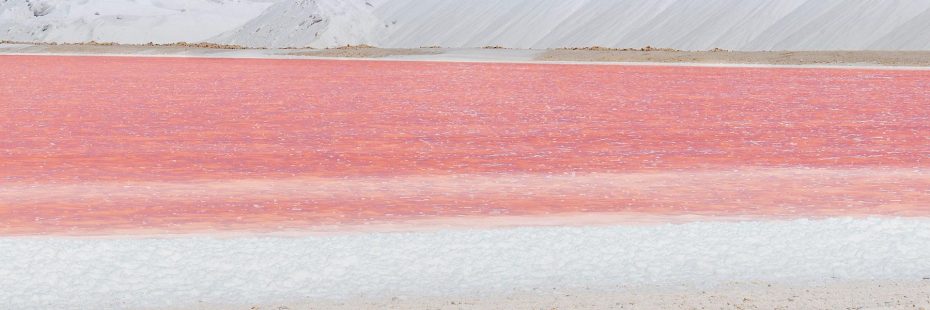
pixel 784 58
pixel 738 295
pixel 882 58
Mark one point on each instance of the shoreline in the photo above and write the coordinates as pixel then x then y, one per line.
pixel 485 201
pixel 885 60
pixel 452 225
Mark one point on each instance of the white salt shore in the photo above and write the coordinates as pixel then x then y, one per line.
pixel 197 271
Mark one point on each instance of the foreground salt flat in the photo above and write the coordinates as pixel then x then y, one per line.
pixel 208 271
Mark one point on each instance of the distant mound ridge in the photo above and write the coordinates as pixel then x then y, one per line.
pixel 679 24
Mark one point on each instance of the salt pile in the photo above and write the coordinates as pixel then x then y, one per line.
pixel 680 24
pixel 123 21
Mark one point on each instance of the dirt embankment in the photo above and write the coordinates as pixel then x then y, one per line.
pixel 210 49
pixel 113 48
pixel 581 54
pixel 717 56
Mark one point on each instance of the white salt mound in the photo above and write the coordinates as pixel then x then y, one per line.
pixel 680 24
pixel 123 21
pixel 176 272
